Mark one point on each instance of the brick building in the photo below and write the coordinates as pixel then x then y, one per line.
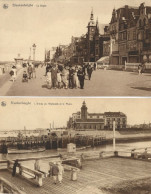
pixel 88 47
pixel 83 120
pixel 130 35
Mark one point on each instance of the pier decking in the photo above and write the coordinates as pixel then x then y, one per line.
pixel 94 174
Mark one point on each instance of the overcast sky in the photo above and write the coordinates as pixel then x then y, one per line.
pixel 40 116
pixel 49 26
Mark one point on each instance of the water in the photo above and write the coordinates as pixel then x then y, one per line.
pixel 44 163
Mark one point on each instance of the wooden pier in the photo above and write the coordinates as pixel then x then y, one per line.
pixel 51 142
pixel 95 174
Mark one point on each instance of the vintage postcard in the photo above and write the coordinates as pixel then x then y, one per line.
pixel 75 48
pixel 76 146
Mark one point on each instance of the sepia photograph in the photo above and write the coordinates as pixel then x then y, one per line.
pixel 75 145
pixel 75 48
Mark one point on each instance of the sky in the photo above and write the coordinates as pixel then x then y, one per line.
pixel 49 26
pixel 42 111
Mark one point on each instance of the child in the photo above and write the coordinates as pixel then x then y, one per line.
pixel 25 77
pixel 48 79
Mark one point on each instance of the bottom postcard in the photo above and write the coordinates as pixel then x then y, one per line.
pixel 75 145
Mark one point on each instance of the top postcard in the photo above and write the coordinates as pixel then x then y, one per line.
pixel 75 48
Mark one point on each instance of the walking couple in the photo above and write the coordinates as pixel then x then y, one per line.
pixel 57 172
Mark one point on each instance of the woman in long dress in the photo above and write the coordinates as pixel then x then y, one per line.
pixel 48 79
pixel 64 75
pixel 60 173
pixel 76 78
pixel 13 73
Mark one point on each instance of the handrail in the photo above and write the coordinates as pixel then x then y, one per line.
pixel 6 186
pixel 23 169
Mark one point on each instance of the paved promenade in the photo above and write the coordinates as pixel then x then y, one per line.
pixel 103 83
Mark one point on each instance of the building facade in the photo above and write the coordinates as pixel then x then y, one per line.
pixel 88 47
pixel 130 35
pixel 83 120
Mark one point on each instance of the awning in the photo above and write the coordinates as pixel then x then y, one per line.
pixel 103 60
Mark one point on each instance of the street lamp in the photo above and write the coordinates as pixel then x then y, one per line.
pixel 34 49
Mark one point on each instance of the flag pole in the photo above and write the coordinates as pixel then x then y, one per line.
pixel 114 135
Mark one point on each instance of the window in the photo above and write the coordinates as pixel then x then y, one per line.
pixel 124 35
pixel 134 35
pixel 96 51
pixel 140 23
pixel 128 35
pixel 144 22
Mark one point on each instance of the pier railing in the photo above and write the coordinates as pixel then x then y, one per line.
pixel 35 176
pixel 7 187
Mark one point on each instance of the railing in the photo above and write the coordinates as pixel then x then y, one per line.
pixel 116 67
pixel 132 66
pixel 7 187
pixel 147 66
pixel 23 170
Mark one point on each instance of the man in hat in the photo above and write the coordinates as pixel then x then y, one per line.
pixel 55 171
pixel 54 76
pixel 71 72
pixel 81 76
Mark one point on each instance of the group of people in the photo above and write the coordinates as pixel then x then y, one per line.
pixel 141 68
pixel 60 76
pixel 29 73
pixel 57 171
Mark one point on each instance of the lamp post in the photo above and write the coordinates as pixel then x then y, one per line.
pixel 34 49
pixel 114 135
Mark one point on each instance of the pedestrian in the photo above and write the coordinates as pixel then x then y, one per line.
pixel 25 77
pixel 139 69
pixel 37 165
pixel 48 66
pixel 81 76
pixel 55 171
pixel 54 76
pixel 64 76
pixel 59 78
pixel 33 71
pixel 13 73
pixel 60 173
pixel 94 66
pixel 89 70
pixel 71 72
pixel 76 78
pixel 29 70
pixel 16 164
pixel 143 68
pixel 48 79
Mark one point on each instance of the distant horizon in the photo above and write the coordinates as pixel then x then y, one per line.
pixel 40 112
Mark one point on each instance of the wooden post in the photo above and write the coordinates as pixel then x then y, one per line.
pixel 20 170
pixel 1 187
pixel 40 180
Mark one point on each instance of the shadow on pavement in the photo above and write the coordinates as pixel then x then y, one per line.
pixel 134 73
pixel 142 88
pixel 44 86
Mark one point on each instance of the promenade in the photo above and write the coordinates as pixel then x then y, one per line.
pixel 92 178
pixel 103 83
